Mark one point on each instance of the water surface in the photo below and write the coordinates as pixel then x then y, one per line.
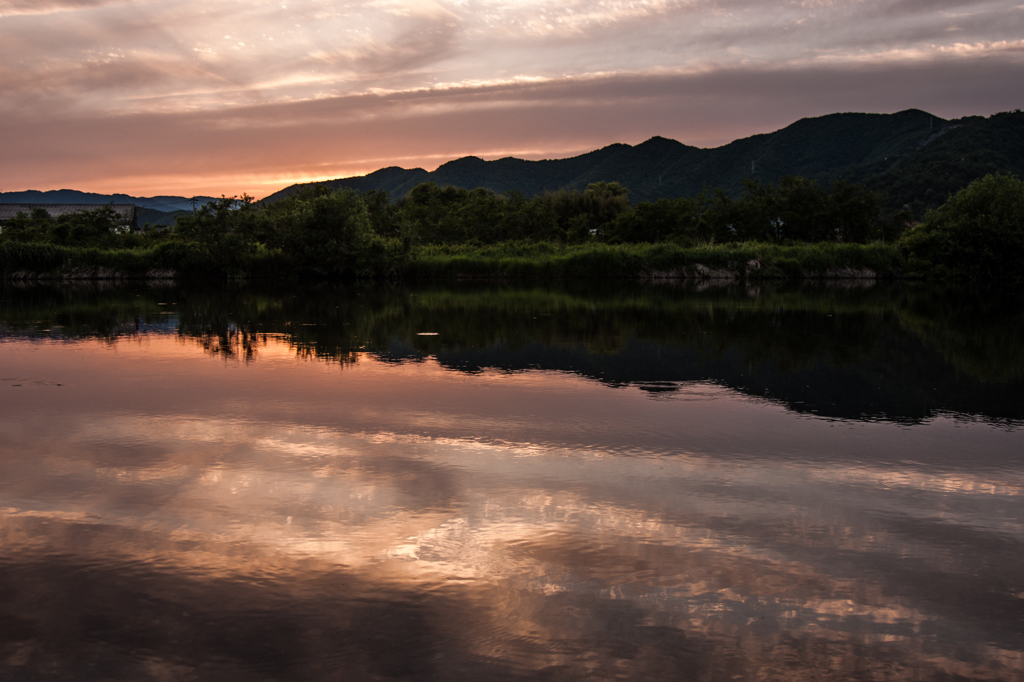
pixel 474 482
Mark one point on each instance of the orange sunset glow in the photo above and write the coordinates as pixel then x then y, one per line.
pixel 224 97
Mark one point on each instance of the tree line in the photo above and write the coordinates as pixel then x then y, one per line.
pixel 795 210
pixel 326 232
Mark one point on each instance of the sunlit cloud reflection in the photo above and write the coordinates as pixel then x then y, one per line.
pixel 230 502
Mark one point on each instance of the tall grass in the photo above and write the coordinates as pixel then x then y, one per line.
pixel 509 260
pixel 518 260
pixel 184 260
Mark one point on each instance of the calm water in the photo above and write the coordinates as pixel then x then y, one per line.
pixel 498 483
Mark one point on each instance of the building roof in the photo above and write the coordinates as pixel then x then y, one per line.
pixel 127 212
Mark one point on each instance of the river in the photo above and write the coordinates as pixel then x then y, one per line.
pixel 474 481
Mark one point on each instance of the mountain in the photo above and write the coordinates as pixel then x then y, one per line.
pixel 156 218
pixel 165 204
pixel 913 158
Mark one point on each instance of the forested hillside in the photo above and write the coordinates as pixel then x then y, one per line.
pixel 910 158
pixel 157 204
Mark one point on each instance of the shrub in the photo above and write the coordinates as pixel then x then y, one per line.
pixel 978 234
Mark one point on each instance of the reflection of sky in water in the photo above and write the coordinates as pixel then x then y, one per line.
pixel 165 513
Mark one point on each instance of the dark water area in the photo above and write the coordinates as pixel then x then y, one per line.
pixel 494 482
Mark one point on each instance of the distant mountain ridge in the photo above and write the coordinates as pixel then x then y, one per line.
pixel 165 204
pixel 914 158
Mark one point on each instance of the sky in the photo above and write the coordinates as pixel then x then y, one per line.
pixel 228 96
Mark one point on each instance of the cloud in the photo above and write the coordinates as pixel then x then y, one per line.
pixel 322 87
pixel 261 148
pixel 424 34
pixel 217 54
pixel 20 7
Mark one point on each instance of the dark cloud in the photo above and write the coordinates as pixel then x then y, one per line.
pixel 930 7
pixel 419 41
pixel 44 6
pixel 846 31
pixel 103 75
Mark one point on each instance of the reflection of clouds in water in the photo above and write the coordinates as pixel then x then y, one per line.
pixel 510 556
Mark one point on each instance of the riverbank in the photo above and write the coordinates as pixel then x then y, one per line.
pixel 527 261
pixel 646 262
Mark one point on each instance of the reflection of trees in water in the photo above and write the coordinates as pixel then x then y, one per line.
pixel 84 310
pixel 885 351
pixel 229 341
pixel 981 334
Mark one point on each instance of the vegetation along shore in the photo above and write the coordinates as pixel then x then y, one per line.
pixel 794 229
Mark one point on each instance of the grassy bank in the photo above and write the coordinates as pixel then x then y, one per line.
pixel 753 261
pixel 165 260
pixel 515 260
